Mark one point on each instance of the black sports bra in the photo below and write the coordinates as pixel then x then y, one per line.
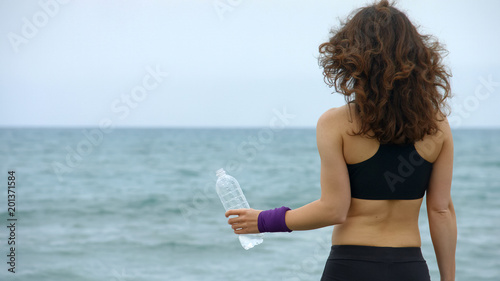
pixel 394 172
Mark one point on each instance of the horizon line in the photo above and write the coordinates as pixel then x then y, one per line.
pixel 3 127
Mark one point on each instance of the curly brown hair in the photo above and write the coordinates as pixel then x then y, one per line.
pixel 395 74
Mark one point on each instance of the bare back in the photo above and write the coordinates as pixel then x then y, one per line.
pixel 391 223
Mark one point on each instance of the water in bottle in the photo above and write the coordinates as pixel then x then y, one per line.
pixel 232 197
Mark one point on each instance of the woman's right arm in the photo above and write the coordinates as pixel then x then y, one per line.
pixel 440 211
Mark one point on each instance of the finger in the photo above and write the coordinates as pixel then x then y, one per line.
pixel 232 213
pixel 235 212
pixel 240 230
pixel 244 230
pixel 238 219
pixel 238 226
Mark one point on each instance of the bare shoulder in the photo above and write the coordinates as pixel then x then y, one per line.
pixel 432 145
pixel 444 131
pixel 335 118
pixel 329 130
pixel 444 128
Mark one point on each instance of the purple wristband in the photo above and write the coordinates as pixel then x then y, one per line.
pixel 273 220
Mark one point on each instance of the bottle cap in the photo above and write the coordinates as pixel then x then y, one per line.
pixel 220 172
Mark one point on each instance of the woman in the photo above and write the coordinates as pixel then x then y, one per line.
pixel 379 153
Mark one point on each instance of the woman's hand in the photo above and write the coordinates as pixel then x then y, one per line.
pixel 245 222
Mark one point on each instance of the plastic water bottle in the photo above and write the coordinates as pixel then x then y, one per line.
pixel 232 197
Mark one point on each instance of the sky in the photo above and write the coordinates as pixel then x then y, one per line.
pixel 212 63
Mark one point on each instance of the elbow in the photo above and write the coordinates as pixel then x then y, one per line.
pixel 343 217
pixel 443 213
pixel 340 220
pixel 334 212
pixel 337 217
pixel 440 208
pixel 340 215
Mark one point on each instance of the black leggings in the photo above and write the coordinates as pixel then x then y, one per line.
pixel 360 263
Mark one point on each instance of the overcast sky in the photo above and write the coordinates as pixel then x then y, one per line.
pixel 222 63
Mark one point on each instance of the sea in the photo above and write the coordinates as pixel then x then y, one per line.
pixel 140 204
